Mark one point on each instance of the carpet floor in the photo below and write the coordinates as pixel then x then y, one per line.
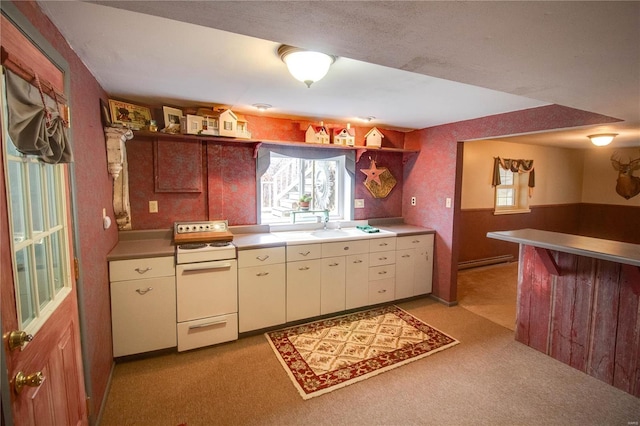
pixel 487 379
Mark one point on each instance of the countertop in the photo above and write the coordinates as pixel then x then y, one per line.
pixel 159 242
pixel 614 251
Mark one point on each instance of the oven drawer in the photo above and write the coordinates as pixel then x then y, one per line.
pixel 207 331
pixel 135 269
pixel 206 289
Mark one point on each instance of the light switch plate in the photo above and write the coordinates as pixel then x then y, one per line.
pixel 153 207
pixel 358 203
pixel 447 203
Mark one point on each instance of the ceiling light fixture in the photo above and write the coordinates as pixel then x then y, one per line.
pixel 602 139
pixel 305 65
pixel 367 119
pixel 262 107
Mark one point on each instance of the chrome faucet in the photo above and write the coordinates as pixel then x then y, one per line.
pixel 326 219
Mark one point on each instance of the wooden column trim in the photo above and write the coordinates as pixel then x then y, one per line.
pixel 547 260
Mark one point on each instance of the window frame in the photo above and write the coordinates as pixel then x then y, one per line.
pixel 520 193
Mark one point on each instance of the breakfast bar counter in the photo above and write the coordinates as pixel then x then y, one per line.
pixel 579 302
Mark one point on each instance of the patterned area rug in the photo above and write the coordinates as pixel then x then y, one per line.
pixel 326 355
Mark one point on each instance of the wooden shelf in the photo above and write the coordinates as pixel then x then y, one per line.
pixel 361 149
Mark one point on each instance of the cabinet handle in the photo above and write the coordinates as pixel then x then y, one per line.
pixel 142 271
pixel 382 258
pixel 406 255
pixel 415 241
pixel 141 291
pixel 207 324
pixel 346 248
pixel 382 291
pixel 334 264
pixel 262 258
pixel 262 274
pixel 382 244
pixel 303 268
pixel 206 266
pixel 357 261
pixel 306 253
pixel 382 272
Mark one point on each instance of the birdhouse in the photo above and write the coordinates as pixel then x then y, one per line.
pixel 345 136
pixel 374 138
pixel 211 124
pixel 317 134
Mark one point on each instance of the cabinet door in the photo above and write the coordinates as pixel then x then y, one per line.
pixel 357 281
pixel 405 273
pixel 261 297
pixel 332 287
pixel 303 289
pixel 143 315
pixel 424 270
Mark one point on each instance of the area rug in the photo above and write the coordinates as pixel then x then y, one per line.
pixel 329 354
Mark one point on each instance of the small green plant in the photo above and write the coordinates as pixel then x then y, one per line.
pixel 305 198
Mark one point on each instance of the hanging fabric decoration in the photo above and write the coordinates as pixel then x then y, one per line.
pixel 514 166
pixel 36 124
pixel 379 180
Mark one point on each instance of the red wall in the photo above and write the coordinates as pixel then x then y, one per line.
pixel 93 194
pixel 435 174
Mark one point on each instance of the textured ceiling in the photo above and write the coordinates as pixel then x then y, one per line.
pixel 409 64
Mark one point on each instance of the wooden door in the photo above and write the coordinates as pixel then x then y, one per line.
pixel 54 351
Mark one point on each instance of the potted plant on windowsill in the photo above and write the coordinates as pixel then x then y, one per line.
pixel 304 201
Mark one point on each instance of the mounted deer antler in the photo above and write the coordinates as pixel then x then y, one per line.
pixel 627 186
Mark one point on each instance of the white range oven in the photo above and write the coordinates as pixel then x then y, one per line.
pixel 206 284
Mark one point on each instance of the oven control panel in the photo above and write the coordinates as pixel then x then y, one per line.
pixel 208 226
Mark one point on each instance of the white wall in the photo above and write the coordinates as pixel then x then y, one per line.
pixel 599 181
pixel 559 172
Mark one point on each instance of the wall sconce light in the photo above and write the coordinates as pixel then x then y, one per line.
pixel 602 139
pixel 305 65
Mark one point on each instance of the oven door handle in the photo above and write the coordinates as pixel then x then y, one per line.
pixel 196 267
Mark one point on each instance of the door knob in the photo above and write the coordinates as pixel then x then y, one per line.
pixel 21 380
pixel 17 339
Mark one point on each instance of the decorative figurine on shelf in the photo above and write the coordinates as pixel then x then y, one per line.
pixel 304 201
pixel 374 138
pixel 345 136
pixel 317 134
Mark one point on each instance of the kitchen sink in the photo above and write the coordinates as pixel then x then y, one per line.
pixel 332 234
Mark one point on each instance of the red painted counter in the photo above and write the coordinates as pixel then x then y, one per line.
pixel 579 302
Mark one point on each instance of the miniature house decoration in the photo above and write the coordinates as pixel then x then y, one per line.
pixel 345 136
pixel 210 124
pixel 317 134
pixel 228 123
pixel 374 138
pixel 242 130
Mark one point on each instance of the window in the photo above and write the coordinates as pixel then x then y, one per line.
pixel 36 200
pixel 288 177
pixel 512 193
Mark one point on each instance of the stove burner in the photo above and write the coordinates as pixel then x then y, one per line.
pixel 220 244
pixel 191 246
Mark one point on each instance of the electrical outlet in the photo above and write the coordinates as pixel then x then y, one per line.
pixel 413 201
pixel 153 207
pixel 447 203
pixel 358 203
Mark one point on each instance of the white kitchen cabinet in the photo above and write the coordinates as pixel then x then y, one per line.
pixel 143 305
pixel 261 288
pixel 357 281
pixel 332 284
pixel 414 261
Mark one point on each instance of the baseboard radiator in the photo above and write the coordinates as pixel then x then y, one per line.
pixel 486 261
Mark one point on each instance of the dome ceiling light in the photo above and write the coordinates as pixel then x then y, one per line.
pixel 602 139
pixel 305 65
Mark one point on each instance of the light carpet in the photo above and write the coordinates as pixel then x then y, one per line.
pixel 329 354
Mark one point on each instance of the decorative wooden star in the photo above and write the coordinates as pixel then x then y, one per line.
pixel 373 173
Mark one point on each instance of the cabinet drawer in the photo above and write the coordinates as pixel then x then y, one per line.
pixel 382 244
pixel 382 258
pixel 143 315
pixel 207 331
pixel 257 257
pixel 382 272
pixel 413 241
pixel 133 269
pixel 381 291
pixel 304 252
pixel 344 248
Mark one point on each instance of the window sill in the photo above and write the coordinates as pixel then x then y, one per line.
pixel 511 211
